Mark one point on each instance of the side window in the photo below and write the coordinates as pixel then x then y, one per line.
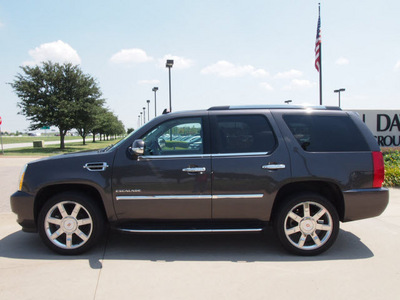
pixel 317 133
pixel 175 137
pixel 243 134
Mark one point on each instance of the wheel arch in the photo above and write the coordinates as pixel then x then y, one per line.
pixel 47 192
pixel 326 189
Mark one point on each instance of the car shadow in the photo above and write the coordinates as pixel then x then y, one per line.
pixel 253 247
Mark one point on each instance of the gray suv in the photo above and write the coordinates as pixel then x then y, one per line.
pixel 225 169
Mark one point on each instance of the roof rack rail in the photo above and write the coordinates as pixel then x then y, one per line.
pixel 273 107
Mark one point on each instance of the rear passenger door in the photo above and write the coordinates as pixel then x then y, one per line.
pixel 250 163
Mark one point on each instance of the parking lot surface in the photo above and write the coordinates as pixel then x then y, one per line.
pixel 363 263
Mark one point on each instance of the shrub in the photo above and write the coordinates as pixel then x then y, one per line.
pixel 392 168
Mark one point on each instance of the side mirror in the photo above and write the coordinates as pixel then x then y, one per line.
pixel 137 148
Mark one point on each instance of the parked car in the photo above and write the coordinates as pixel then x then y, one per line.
pixel 301 170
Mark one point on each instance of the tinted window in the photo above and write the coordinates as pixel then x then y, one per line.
pixel 175 137
pixel 243 134
pixel 316 133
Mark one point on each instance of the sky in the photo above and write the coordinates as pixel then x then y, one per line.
pixel 225 52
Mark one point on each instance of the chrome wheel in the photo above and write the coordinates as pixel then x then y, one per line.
pixel 68 225
pixel 71 222
pixel 308 225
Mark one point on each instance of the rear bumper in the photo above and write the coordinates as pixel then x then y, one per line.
pixel 23 205
pixel 364 203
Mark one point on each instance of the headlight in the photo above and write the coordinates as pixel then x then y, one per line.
pixel 21 177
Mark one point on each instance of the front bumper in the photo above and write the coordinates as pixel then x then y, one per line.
pixel 23 205
pixel 364 203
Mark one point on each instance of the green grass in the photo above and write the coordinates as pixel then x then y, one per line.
pixel 28 139
pixel 49 150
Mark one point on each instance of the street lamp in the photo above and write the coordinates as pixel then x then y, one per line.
pixel 139 121
pixel 155 89
pixel 144 115
pixel 141 113
pixel 169 65
pixel 148 110
pixel 288 101
pixel 338 91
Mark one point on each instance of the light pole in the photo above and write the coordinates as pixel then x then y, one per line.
pixel 148 110
pixel 139 122
pixel 144 115
pixel 169 65
pixel 338 91
pixel 155 89
pixel 141 113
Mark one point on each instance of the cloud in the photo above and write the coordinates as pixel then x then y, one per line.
pixel 296 84
pixel 58 51
pixel 342 61
pixel 289 74
pixel 179 62
pixel 226 69
pixel 145 82
pixel 266 86
pixel 130 56
pixel 397 66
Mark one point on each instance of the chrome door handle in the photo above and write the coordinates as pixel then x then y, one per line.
pixel 274 167
pixel 194 170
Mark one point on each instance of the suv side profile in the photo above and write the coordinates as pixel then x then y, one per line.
pixel 225 169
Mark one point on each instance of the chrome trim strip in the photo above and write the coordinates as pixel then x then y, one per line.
pixel 240 154
pixel 190 230
pixel 155 157
pixel 178 197
pixel 190 197
pixel 274 167
pixel 238 196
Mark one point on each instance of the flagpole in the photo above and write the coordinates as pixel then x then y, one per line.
pixel 320 60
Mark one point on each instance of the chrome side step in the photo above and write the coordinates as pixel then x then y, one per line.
pixel 190 230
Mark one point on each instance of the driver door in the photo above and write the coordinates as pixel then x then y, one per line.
pixel 171 180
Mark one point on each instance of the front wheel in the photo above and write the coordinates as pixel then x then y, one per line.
pixel 70 223
pixel 307 224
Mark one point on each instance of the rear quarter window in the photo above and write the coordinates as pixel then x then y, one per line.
pixel 319 133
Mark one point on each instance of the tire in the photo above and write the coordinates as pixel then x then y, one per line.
pixel 307 224
pixel 70 223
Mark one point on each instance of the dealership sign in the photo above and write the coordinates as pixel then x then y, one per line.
pixel 384 124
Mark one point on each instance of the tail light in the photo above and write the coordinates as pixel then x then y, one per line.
pixel 379 169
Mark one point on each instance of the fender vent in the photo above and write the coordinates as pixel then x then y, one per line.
pixel 96 166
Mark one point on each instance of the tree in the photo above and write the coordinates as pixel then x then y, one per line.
pixel 56 95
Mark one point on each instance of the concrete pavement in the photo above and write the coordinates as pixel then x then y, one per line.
pixel 363 264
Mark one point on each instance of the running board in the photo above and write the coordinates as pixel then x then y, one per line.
pixel 190 230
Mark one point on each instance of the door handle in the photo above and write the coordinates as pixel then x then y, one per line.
pixel 274 167
pixel 194 170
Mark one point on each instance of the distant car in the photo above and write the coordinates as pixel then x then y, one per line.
pixel 301 170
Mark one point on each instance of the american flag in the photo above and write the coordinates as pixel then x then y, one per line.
pixel 318 45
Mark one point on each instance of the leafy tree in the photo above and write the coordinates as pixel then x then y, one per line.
pixel 56 95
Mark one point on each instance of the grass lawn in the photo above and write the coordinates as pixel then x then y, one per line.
pixel 28 139
pixel 49 150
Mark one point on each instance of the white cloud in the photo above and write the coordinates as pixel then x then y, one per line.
pixel 289 74
pixel 226 69
pixel 266 86
pixel 1 24
pixel 144 82
pixel 58 52
pixel 296 84
pixel 130 56
pixel 397 66
pixel 342 61
pixel 179 62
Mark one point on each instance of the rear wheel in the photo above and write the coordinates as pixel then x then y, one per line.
pixel 307 224
pixel 70 223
